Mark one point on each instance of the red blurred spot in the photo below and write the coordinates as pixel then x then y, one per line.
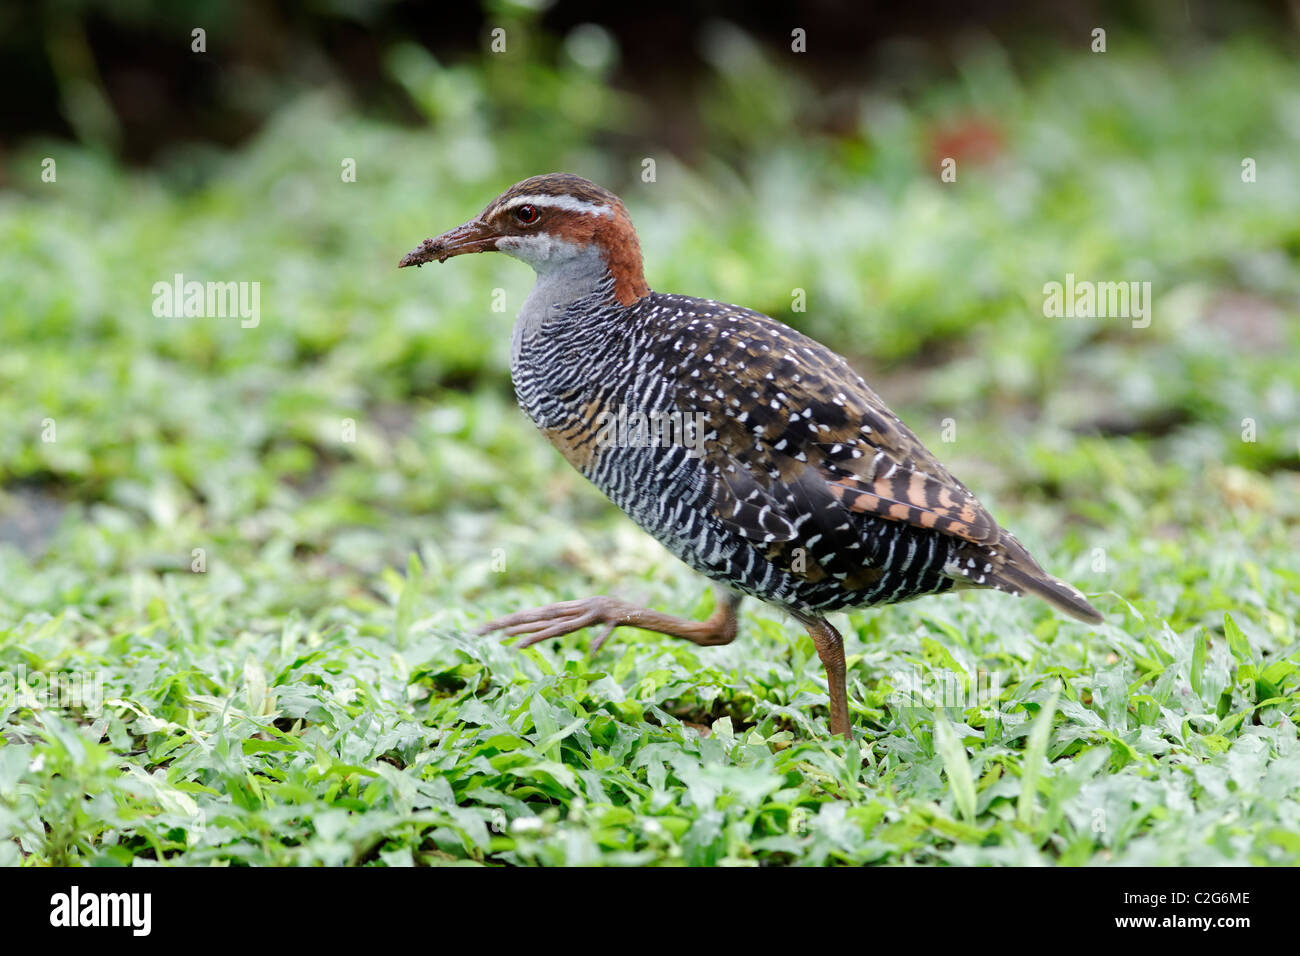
pixel 967 140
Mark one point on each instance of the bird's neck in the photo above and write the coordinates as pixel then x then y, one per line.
pixel 561 282
pixel 580 284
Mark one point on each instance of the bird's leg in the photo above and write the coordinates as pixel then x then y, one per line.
pixel 830 648
pixel 555 620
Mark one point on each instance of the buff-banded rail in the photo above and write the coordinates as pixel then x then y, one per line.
pixel 759 457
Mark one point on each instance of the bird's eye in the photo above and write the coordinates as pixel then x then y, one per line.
pixel 526 214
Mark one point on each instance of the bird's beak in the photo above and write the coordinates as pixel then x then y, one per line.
pixel 474 236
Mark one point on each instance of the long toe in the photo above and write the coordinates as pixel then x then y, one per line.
pixel 553 620
pixel 558 629
pixel 531 616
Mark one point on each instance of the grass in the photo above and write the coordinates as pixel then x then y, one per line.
pixel 314 694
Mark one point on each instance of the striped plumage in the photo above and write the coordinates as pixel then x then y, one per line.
pixel 800 486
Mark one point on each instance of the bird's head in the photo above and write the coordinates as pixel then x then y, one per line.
pixel 550 222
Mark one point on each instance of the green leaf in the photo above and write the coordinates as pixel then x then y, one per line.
pixel 1035 757
pixel 254 686
pixel 406 601
pixel 1237 642
pixel 1198 662
pixel 956 763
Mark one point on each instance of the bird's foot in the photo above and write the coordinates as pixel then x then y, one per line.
pixel 556 620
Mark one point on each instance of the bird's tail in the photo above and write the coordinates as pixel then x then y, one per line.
pixel 1064 597
pixel 1018 573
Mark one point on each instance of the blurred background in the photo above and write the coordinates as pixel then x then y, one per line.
pixel 790 150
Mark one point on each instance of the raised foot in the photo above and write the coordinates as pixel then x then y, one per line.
pixel 556 620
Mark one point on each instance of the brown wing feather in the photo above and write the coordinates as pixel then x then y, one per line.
pixel 789 415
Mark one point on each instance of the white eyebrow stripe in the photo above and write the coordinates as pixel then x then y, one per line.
pixel 567 203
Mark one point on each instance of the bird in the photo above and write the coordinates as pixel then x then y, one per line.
pixel 752 452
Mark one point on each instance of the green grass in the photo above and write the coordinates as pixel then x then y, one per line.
pixel 316 694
